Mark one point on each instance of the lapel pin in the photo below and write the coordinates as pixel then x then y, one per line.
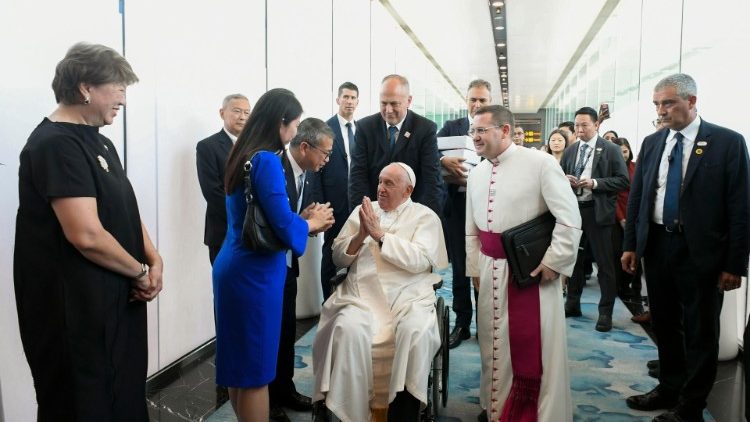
pixel 407 135
pixel 598 150
pixel 702 143
pixel 103 163
pixel 698 151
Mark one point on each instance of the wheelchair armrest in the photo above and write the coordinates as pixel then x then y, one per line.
pixel 337 279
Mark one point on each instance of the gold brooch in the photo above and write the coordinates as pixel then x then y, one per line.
pixel 103 163
pixel 698 151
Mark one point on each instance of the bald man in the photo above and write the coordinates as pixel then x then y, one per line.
pixel 378 331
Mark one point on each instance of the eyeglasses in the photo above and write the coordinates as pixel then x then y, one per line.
pixel 326 153
pixel 480 130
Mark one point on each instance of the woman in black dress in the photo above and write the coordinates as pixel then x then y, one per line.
pixel 84 265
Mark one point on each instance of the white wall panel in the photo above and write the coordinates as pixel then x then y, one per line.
pixel 351 52
pixel 191 61
pixel 33 39
pixel 299 52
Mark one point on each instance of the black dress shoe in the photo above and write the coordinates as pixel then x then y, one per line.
pixel 654 373
pixel 572 311
pixel 320 411
pixel 482 416
pixel 458 335
pixel 604 323
pixel 653 400
pixel 277 414
pixel 652 364
pixel 298 402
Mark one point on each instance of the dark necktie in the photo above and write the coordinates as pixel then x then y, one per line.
pixel 350 135
pixel 671 216
pixel 392 134
pixel 581 162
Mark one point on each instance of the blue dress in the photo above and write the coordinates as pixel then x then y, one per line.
pixel 249 286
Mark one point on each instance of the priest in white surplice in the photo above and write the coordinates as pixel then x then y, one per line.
pixel 378 331
pixel 521 331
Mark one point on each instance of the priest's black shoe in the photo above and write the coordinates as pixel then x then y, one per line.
pixel 277 414
pixel 654 373
pixel 652 364
pixel 681 414
pixel 653 400
pixel 458 335
pixel 482 416
pixel 320 412
pixel 298 402
pixel 572 311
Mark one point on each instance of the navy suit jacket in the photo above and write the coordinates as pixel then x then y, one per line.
pixel 334 181
pixel 211 158
pixel 416 146
pixel 714 203
pixel 611 174
pixel 310 194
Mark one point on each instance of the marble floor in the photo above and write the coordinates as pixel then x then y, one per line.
pixel 188 393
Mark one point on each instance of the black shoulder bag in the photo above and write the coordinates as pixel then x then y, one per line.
pixel 257 233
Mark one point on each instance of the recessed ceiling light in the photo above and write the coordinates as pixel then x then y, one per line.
pixel 497 4
pixel 503 67
pixel 499 28
pixel 501 44
pixel 498 11
pixel 498 17
pixel 501 58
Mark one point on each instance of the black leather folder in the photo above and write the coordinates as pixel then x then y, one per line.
pixel 525 246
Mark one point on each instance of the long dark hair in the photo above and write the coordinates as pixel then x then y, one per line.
pixel 276 107
pixel 621 142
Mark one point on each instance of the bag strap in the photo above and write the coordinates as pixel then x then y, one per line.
pixel 248 183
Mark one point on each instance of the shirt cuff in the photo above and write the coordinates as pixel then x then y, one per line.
pixel 595 184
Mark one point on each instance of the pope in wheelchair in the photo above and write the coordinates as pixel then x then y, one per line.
pixel 378 331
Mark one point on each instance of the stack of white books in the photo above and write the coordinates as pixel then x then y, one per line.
pixel 459 146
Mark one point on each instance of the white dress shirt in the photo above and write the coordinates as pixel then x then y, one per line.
pixel 231 137
pixel 689 133
pixel 345 136
pixel 587 195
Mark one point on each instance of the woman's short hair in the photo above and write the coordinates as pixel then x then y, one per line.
pixel 559 132
pixel 624 142
pixel 93 64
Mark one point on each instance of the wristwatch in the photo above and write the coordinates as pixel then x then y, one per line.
pixel 144 271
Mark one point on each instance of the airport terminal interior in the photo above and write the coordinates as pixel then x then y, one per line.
pixel 543 59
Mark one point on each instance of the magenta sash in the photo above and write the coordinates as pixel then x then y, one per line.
pixel 525 338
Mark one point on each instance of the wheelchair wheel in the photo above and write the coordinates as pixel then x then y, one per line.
pixel 438 362
pixel 445 356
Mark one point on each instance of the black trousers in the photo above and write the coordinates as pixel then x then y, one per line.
pixel 600 241
pixel 282 386
pixel 404 407
pixel 685 307
pixel 746 365
pixel 456 228
pixel 626 283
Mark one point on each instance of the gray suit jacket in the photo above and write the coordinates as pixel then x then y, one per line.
pixel 611 174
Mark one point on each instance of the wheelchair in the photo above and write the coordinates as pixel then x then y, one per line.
pixel 437 383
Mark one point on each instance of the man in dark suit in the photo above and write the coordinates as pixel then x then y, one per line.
pixel 308 152
pixel 396 134
pixel 478 95
pixel 211 157
pixel 688 218
pixel 597 172
pixel 334 178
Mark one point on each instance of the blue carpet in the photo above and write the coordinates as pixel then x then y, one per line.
pixel 605 368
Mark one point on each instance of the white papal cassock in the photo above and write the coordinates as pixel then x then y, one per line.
pixel 378 331
pixel 517 186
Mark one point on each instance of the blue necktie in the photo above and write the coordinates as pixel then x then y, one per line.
pixel 671 216
pixel 392 134
pixel 581 163
pixel 350 135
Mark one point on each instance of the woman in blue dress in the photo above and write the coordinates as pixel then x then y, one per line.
pixel 249 286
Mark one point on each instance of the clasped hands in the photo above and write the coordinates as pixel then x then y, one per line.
pixel 369 222
pixel 319 217
pixel 147 287
pixel 577 183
